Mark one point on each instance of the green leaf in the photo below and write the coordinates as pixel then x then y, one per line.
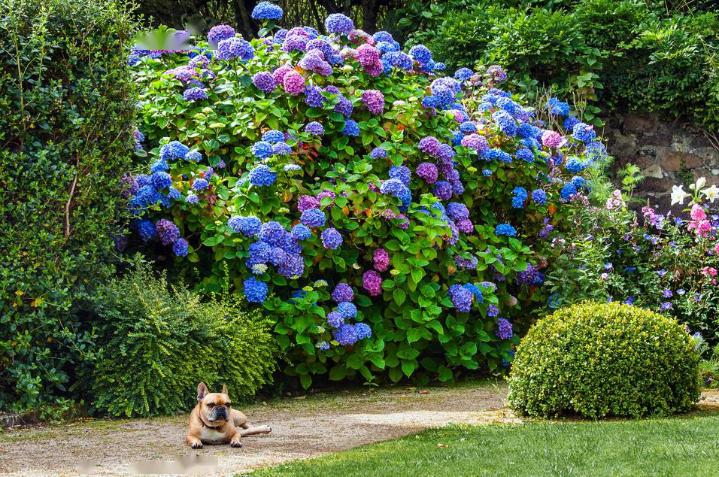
pixel 399 296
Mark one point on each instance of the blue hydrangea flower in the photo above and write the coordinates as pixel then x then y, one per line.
pixel 539 197
pixel 486 172
pixel 421 54
pixel 159 166
pixel 351 128
pixel 378 153
pixel 583 132
pixel 468 127
pixel 255 290
pixel 193 156
pixel 570 122
pixel 505 230
pixel 281 149
pixel 338 23
pixel 474 290
pixel 335 319
pixel 235 48
pixel 362 330
pixel 174 194
pixel 323 345
pixel 401 173
pixel 505 122
pixel 519 196
pixel 457 211
pixel 173 150
pixel 504 329
pixel 463 74
pixel 272 136
pixel 492 311
pixel 525 154
pixel 180 248
pixel 262 176
pixel 575 165
pixel 579 182
pixel 315 128
pixel 266 11
pixel 345 335
pixel 200 184
pixel 314 97
pixel 167 231
pixel 342 292
pixel 568 191
pixel 347 310
pixel 192 198
pixel 331 238
pixel 161 180
pixel 273 233
pixel 301 232
pixel 557 107
pixel 146 230
pixel 262 149
pixel 313 218
pixel 248 226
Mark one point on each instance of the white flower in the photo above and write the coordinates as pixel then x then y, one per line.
pixel 678 195
pixel 701 182
pixel 711 193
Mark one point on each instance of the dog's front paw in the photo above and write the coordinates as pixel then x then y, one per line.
pixel 194 442
pixel 235 443
pixel 197 445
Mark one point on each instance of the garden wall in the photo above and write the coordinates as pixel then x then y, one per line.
pixel 667 153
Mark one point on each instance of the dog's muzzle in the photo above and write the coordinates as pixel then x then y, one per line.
pixel 219 412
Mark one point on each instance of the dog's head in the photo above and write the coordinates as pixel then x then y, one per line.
pixel 214 407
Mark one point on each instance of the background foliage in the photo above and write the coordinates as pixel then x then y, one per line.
pixel 611 55
pixel 66 115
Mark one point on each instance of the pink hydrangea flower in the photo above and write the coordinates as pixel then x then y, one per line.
pixel 374 100
pixel 372 282
pixel 553 139
pixel 381 259
pixel 279 73
pixel 293 83
pixel 709 272
pixel 698 212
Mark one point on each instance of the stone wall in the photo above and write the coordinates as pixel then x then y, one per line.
pixel 667 153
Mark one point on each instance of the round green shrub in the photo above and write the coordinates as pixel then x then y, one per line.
pixel 600 360
pixel 154 344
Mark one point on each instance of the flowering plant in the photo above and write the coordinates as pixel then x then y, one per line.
pixel 659 261
pixel 385 214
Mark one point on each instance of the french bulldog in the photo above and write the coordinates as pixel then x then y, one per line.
pixel 213 421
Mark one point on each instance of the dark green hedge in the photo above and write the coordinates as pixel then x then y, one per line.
pixel 66 115
pixel 608 54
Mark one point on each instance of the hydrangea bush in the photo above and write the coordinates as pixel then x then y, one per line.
pixel 387 214
pixel 665 262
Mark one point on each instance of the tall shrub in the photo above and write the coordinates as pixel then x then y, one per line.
pixel 387 214
pixel 66 110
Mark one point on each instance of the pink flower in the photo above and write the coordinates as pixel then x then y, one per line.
pixel 553 139
pixel 716 248
pixel 279 73
pixel 381 259
pixel 293 82
pixel 709 271
pixel 372 282
pixel 698 213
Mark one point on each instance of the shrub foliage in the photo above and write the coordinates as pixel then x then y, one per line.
pixel 66 115
pixel 155 344
pixel 387 215
pixel 599 360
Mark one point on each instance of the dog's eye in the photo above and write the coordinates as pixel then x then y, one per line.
pixel 228 404
pixel 211 404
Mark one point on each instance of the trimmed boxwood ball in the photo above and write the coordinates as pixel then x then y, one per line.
pixel 599 360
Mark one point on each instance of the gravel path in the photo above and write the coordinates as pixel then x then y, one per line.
pixel 301 428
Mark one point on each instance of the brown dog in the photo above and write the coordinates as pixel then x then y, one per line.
pixel 213 421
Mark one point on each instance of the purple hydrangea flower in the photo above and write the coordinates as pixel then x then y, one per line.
pixel 428 172
pixel 373 100
pixel 504 329
pixel 443 190
pixel 293 82
pixel 264 81
pixel 167 231
pixel 335 319
pixel 381 259
pixel 315 128
pixel 343 292
pixel 218 33
pixel 338 23
pixel 306 202
pixel 194 94
pixel 235 48
pixel 378 153
pixel 457 211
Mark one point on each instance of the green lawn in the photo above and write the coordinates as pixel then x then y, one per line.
pixel 686 446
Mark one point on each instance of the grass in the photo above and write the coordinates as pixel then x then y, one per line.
pixel 687 446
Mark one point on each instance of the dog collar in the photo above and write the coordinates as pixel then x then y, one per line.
pixel 204 424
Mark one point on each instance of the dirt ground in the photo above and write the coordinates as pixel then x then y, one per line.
pixel 301 428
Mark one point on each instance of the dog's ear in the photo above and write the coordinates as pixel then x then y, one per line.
pixel 224 389
pixel 201 391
